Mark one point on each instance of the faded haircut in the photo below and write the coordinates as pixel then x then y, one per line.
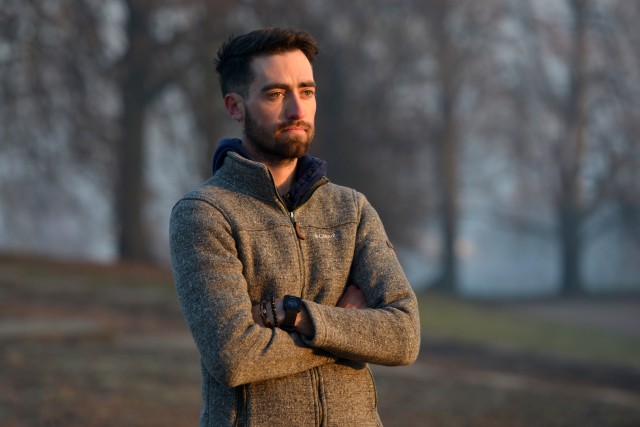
pixel 233 61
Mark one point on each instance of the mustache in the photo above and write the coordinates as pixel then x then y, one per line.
pixel 298 123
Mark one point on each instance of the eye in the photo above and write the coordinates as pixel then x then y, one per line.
pixel 275 95
pixel 308 93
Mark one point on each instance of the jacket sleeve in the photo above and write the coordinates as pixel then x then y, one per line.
pixel 386 333
pixel 213 293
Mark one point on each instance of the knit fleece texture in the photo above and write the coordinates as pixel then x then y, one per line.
pixel 233 244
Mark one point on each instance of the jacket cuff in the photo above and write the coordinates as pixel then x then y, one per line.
pixel 316 315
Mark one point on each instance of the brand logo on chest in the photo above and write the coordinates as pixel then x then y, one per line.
pixel 325 236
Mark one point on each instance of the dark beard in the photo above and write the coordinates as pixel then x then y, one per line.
pixel 272 148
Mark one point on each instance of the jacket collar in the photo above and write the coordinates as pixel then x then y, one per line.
pixel 310 174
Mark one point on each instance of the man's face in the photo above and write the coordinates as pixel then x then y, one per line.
pixel 280 107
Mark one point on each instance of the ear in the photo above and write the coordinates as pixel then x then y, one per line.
pixel 234 104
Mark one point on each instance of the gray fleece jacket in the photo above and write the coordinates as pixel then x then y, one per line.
pixel 233 244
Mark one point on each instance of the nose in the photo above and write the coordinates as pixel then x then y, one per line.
pixel 294 108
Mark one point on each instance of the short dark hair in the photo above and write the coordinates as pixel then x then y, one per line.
pixel 233 62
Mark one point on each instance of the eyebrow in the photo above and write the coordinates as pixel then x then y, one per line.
pixel 284 86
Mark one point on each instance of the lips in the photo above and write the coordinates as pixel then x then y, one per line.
pixel 295 127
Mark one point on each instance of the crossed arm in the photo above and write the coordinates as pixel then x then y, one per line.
pixel 353 297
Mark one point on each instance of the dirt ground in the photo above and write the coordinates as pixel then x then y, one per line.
pixel 73 354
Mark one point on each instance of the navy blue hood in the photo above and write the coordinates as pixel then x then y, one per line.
pixel 310 170
pixel 226 145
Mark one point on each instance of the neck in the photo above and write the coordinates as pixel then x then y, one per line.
pixel 283 174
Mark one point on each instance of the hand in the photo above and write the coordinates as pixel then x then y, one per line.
pixel 303 323
pixel 257 316
pixel 353 297
pixel 255 312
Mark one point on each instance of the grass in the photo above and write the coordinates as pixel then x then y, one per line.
pixel 36 270
pixel 482 323
pixel 441 316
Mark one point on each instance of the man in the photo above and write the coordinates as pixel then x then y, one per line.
pixel 287 281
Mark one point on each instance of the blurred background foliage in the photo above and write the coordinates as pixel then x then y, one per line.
pixel 499 140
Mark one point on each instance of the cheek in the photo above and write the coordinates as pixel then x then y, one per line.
pixel 311 111
pixel 269 114
pixel 263 116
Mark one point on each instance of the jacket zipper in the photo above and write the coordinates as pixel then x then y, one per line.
pixel 241 406
pixel 315 372
pixel 318 395
pixel 300 236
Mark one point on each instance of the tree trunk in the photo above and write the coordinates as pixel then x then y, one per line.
pixel 130 193
pixel 571 205
pixel 133 242
pixel 571 250
pixel 447 149
pixel 447 162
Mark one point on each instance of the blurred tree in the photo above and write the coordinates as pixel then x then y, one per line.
pixel 622 48
pixel 567 106
pixel 446 138
pixel 157 54
pixel 459 34
pixel 85 76
pixel 571 153
pixel 200 83
pixel 53 127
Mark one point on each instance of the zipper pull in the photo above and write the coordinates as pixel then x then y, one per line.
pixel 296 227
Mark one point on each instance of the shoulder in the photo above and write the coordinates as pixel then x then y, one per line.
pixel 340 193
pixel 338 203
pixel 346 196
pixel 206 197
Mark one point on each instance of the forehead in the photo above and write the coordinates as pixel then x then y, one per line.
pixel 286 68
